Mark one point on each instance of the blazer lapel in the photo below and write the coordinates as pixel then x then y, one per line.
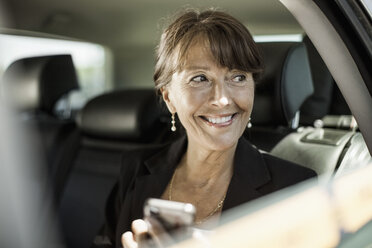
pixel 250 172
pixel 150 186
pixel 160 168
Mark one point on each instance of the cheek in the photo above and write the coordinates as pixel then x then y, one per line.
pixel 244 99
pixel 195 98
pixel 189 101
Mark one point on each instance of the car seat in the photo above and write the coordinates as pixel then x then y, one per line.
pixel 334 146
pixel 285 84
pixel 108 124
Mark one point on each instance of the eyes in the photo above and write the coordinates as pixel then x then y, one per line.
pixel 199 79
pixel 239 78
pixel 202 79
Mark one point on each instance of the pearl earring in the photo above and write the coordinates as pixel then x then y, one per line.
pixel 249 123
pixel 173 128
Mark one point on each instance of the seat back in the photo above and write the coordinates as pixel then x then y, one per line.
pixel 285 84
pixel 110 123
pixel 125 117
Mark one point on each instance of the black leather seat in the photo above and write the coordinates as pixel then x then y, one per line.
pixel 108 124
pixel 125 117
pixel 284 86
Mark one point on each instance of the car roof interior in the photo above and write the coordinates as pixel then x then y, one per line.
pixel 131 29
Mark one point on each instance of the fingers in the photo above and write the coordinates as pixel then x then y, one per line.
pixel 131 239
pixel 140 230
pixel 127 240
pixel 156 228
pixel 160 236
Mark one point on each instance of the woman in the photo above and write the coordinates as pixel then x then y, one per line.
pixel 206 68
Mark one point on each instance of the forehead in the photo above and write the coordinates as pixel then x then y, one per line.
pixel 197 54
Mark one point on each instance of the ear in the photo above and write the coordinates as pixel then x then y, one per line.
pixel 166 97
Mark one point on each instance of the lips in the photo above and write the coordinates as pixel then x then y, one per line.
pixel 222 120
pixel 219 120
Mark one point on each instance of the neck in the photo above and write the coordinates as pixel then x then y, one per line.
pixel 205 166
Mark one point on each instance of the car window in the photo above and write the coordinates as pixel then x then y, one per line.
pixel 368 6
pixel 278 38
pixel 92 62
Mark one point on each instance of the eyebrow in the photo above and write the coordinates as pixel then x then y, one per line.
pixel 197 67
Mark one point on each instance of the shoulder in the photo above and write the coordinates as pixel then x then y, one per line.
pixel 152 158
pixel 263 169
pixel 275 165
pixel 282 166
pixel 133 165
pixel 143 152
pixel 134 159
pixel 285 173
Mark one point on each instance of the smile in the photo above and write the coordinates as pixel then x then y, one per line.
pixel 221 121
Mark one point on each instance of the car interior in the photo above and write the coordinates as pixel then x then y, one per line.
pixel 299 111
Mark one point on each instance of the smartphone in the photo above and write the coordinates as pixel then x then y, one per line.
pixel 173 216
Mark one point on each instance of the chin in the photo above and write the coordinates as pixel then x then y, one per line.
pixel 221 144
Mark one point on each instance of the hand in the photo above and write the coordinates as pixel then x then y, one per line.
pixel 132 239
pixel 147 233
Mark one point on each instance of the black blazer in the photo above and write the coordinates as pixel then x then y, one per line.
pixel 146 173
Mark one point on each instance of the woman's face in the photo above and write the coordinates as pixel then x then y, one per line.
pixel 212 102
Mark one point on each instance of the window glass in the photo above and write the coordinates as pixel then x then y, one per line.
pixel 368 6
pixel 278 38
pixel 92 61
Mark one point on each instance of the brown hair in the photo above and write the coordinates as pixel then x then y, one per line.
pixel 230 42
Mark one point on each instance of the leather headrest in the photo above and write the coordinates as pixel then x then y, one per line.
pixel 284 85
pixel 36 83
pixel 129 114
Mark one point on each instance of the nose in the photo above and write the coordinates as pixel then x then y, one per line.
pixel 219 95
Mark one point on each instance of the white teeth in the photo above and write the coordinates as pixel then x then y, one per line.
pixel 220 119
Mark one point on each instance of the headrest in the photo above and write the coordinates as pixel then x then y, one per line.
pixel 36 83
pixel 284 85
pixel 129 114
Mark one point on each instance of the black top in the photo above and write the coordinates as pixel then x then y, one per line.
pixel 146 173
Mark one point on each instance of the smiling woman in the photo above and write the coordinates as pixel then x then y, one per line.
pixel 213 102
pixel 206 68
pixel 207 87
